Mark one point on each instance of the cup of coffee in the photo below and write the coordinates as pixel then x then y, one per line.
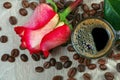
pixel 93 38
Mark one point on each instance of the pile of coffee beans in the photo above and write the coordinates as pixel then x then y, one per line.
pixel 10 57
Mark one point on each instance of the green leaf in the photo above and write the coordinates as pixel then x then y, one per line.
pixel 112 13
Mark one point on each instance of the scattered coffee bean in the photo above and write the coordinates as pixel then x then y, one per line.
pixel 95 6
pixel 58 65
pixel 109 76
pixel 7 5
pixel 85 15
pixel 70 16
pixel 21 47
pixel 64 58
pixel 87 76
pixel 52 61
pixel 92 66
pixel 87 62
pixel 111 54
pixel 62 1
pixel 4 57
pixel 0 28
pixel 67 64
pixel 13 20
pixel 25 3
pixel 24 57
pixel 78 17
pixel 15 53
pixel 81 68
pixel 33 5
pixel 42 1
pixel 92 12
pixel 23 12
pixel 3 39
pixel 58 77
pixel 102 4
pixel 35 57
pixel 59 5
pixel 71 79
pixel 70 48
pixel 76 56
pixel 67 3
pixel 116 56
pixel 39 69
pixel 81 60
pixel 118 67
pixel 11 59
pixel 72 72
pixel 101 61
pixel 102 66
pixel 85 8
pixel 47 65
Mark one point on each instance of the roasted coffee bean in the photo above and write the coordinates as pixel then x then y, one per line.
pixel 71 79
pixel 85 8
pixel 68 3
pixel 21 47
pixel 101 61
pixel 42 55
pixel 39 69
pixel 87 76
pixel 85 15
pixel 95 6
pixel 92 12
pixel 102 4
pixel 109 76
pixel 92 66
pixel 3 39
pixel 52 61
pixel 87 62
pixel 7 5
pixel 81 68
pixel 15 53
pixel 99 14
pixel 70 48
pixel 24 57
pixel 0 28
pixel 25 4
pixel 35 57
pixel 64 58
pixel 76 56
pixel 81 60
pixel 58 77
pixel 4 57
pixel 102 66
pixel 74 22
pixel 11 59
pixel 118 67
pixel 33 5
pixel 75 11
pixel 78 17
pixel 62 1
pixel 67 64
pixel 42 1
pixel 47 65
pixel 13 20
pixel 58 65
pixel 72 72
pixel 116 56
pixel 111 54
pixel 59 5
pixel 23 12
pixel 70 16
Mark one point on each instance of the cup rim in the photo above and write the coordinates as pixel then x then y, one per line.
pixel 112 29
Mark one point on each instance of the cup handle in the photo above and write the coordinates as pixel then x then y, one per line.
pixel 118 35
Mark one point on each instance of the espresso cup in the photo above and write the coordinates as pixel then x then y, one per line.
pixel 93 38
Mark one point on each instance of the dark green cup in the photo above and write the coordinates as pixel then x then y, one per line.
pixel 93 38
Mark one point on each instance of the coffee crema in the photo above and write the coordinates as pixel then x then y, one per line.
pixel 93 38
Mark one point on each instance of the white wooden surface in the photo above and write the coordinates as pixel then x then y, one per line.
pixel 25 70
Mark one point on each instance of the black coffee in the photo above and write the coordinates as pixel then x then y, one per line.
pixel 100 37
